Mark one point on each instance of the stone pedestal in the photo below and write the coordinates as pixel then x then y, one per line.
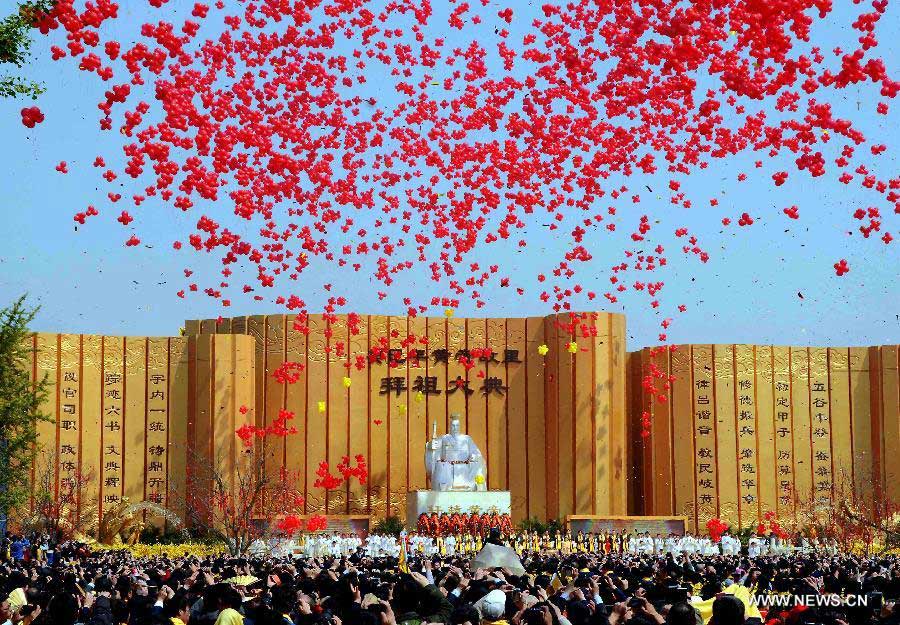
pixel 451 502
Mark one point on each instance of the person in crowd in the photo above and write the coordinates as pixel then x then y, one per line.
pixel 365 586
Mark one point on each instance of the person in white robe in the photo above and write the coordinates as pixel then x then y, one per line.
pixel 754 546
pixel 659 545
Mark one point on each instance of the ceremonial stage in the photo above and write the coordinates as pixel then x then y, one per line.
pixel 554 406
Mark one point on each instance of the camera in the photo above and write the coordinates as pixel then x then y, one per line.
pixel 535 614
pixel 676 593
pixel 382 591
pixel 377 608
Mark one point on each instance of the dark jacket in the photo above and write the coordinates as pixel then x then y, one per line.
pixel 434 606
pixel 101 612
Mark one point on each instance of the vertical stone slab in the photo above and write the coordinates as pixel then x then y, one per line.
pixel 517 467
pixel 861 415
pixel 338 409
pixel 842 439
pixel 765 422
pixel 295 445
pixel 91 421
pixel 134 431
pixel 584 423
pixel 177 445
pixel 113 409
pixel 46 348
pixel 683 450
pixel 554 445
pixel 783 427
pixel 890 410
pixel 821 427
pixel 747 433
pixel 618 418
pixel 397 397
pixel 378 433
pixel 316 411
pixel 496 393
pixel 707 459
pixel 724 390
pixel 538 485
pixel 476 401
pixel 661 439
pixel 69 407
pixel 272 331
pixel 157 424
pixel 803 457
pixel 417 407
pixel 360 421
pixel 565 380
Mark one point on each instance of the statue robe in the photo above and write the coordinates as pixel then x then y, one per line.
pixel 456 465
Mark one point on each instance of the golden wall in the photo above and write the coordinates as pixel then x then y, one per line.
pixel 552 429
pixel 745 429
pixel 127 410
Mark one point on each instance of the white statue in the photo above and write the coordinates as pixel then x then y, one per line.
pixel 453 461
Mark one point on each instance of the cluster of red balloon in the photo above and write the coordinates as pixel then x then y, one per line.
pixel 461 144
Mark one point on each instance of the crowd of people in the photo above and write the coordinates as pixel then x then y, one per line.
pixel 467 543
pixel 70 584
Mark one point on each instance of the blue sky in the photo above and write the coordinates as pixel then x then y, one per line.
pixel 87 281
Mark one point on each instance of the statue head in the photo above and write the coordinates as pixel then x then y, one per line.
pixel 454 424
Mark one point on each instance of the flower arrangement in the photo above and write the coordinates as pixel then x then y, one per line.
pixel 462 523
pixel 716 528
pixel 770 525
pixel 293 524
pixel 180 550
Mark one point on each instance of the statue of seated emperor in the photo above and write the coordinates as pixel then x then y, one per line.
pixel 454 462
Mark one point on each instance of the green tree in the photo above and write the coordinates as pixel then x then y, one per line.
pixel 20 406
pixel 15 46
pixel 391 525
